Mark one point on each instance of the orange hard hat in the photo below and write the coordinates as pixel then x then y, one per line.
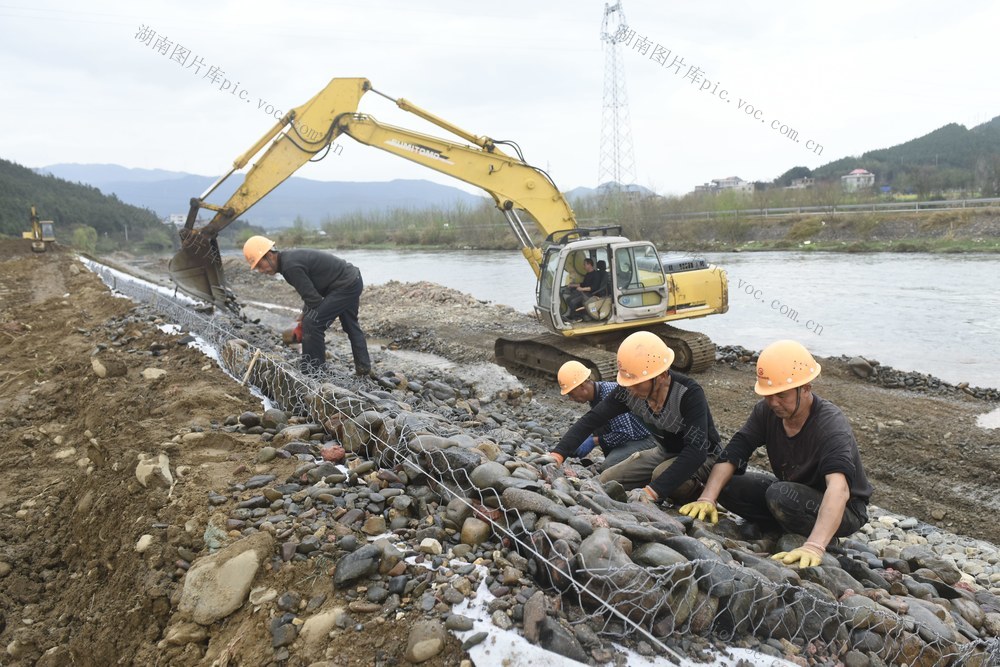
pixel 642 356
pixel 784 364
pixel 255 248
pixel 571 375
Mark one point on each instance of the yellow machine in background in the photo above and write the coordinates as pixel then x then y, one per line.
pixel 645 290
pixel 42 233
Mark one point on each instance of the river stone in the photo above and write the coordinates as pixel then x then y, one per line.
pixel 918 589
pixel 657 555
pixel 535 611
pixel 291 434
pixel 861 367
pixel 552 636
pixel 475 531
pixel 970 611
pixel 316 629
pixel 863 612
pixel 768 568
pixel 218 584
pixel 429 443
pixel 440 390
pixel 832 578
pixel 582 525
pixel 249 419
pixel 453 463
pixel 457 510
pixel 490 450
pixel 529 501
pixel 486 475
pixel 356 565
pixel 560 531
pixel 273 418
pixel 512 482
pixel 862 572
pixel 945 569
pixel 931 627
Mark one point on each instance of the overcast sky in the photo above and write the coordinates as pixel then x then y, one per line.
pixel 81 87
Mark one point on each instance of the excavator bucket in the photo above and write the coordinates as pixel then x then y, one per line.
pixel 197 271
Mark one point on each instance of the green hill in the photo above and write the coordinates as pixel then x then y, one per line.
pixel 70 206
pixel 952 157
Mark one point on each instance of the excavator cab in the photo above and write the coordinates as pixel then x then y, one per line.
pixel 634 287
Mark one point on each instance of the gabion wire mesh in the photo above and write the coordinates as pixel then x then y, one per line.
pixel 719 599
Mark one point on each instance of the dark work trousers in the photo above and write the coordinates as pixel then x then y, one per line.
pixel 787 506
pixel 343 304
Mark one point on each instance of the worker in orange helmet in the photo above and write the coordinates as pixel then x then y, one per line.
pixel 672 406
pixel 819 488
pixel 619 438
pixel 330 288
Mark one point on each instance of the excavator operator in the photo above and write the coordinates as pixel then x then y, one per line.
pixel 330 288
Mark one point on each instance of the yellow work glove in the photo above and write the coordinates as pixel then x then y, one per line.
pixel 702 509
pixel 808 555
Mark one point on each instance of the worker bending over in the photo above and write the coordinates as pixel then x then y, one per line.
pixel 619 438
pixel 330 288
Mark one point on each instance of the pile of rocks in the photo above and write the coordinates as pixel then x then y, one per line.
pixel 875 373
pixel 414 494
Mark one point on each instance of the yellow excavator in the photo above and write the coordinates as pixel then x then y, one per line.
pixel 41 234
pixel 644 290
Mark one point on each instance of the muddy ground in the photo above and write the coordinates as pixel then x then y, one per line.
pixel 70 512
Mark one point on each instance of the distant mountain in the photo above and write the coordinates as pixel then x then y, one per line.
pixel 605 188
pixel 95 174
pixel 168 192
pixel 950 157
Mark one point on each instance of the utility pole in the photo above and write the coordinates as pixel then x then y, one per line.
pixel 617 163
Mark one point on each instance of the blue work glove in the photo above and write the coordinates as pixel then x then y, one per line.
pixel 585 447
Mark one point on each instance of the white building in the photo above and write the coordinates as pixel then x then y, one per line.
pixel 859 179
pixel 734 183
pixel 177 220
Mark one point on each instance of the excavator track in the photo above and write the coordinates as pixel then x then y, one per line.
pixel 541 356
pixel 694 351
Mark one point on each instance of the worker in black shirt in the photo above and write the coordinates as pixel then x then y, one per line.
pixel 330 288
pixel 819 488
pixel 672 407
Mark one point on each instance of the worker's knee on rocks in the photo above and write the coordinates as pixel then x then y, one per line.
pixel 780 496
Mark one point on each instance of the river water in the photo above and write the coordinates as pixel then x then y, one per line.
pixel 936 314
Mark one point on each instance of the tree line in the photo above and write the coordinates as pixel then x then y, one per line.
pixel 75 208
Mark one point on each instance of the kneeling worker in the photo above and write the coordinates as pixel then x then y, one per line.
pixel 672 407
pixel 819 488
pixel 330 288
pixel 619 438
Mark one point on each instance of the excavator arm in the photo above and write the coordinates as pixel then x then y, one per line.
pixel 519 190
